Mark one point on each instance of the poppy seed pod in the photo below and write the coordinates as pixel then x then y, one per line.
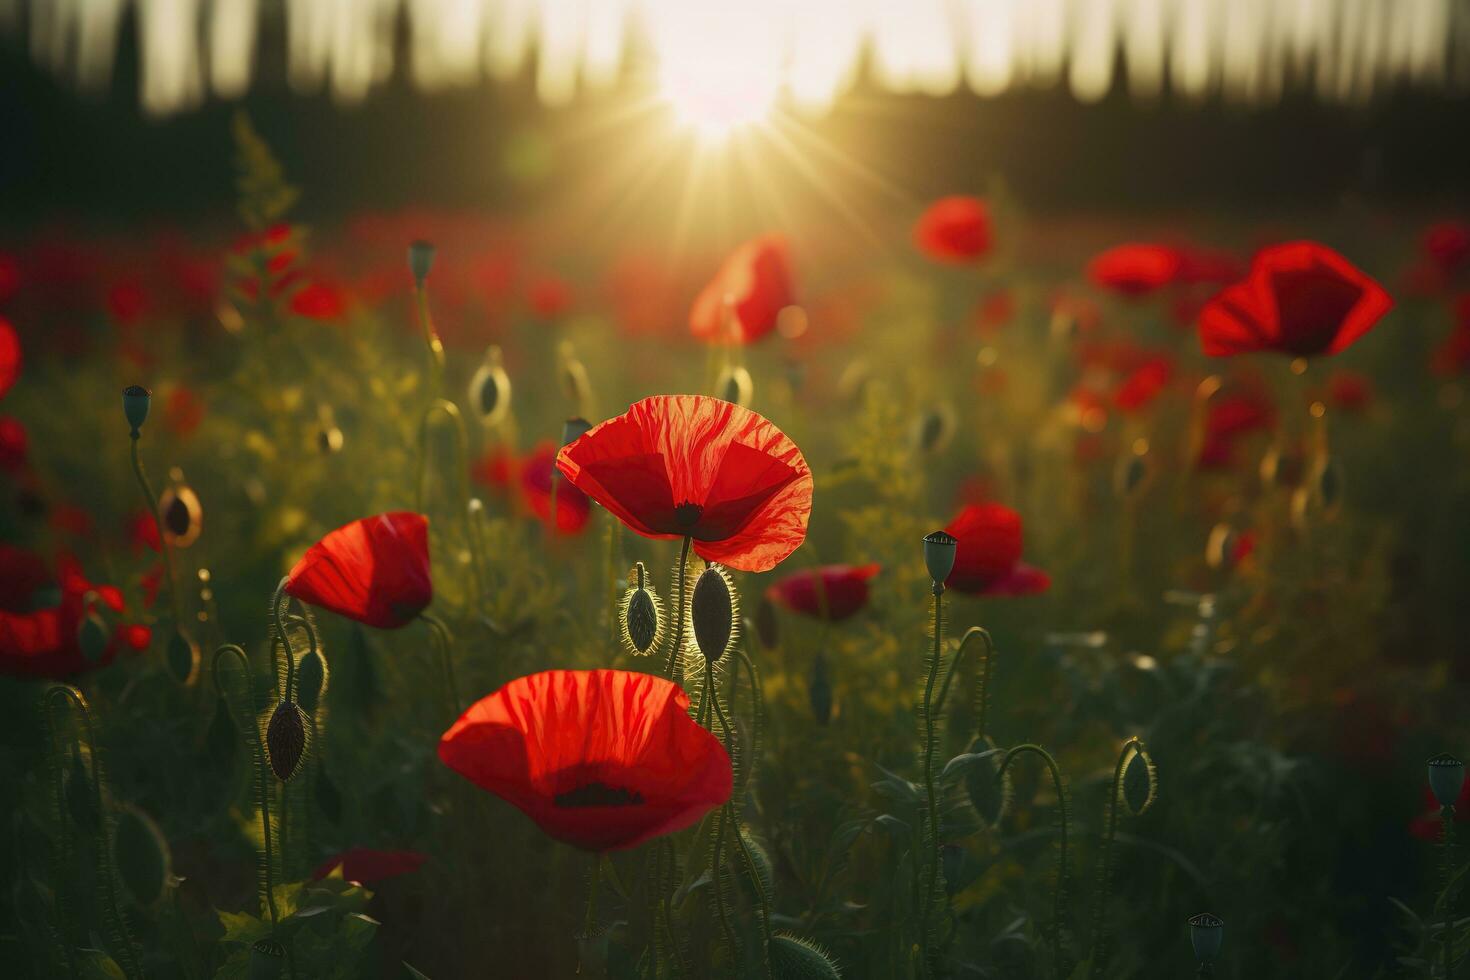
pixel 183 517
pixel 939 552
pixel 142 857
pixel 136 402
pixel 1205 933
pixel 735 386
pixel 490 389
pixel 1446 777
pixel 642 615
pixel 1140 782
pixel 311 680
pixel 713 613
pixel 267 959
pixel 793 958
pixel 285 740
pixel 420 261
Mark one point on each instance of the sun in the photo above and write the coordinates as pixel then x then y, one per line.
pixel 716 104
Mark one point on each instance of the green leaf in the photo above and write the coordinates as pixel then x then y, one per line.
pixel 413 974
pixel 242 927
pixel 97 965
pixel 964 762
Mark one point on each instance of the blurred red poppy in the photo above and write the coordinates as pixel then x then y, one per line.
pixel 1300 298
pixel 994 311
pixel 549 297
pixel 183 411
pixel 756 283
pixel 43 641
pixel 319 300
pixel 843 591
pixel 988 557
pixel 1349 391
pixel 600 759
pixel 128 301
pixel 1135 268
pixel 1143 384
pixel 1228 419
pixel 537 472
pixel 374 570
pixel 954 229
pixel 1207 265
pixel 495 470
pixel 142 531
pixel 14 443
pixel 366 866
pixel 1446 245
pixel 9 356
pixel 693 465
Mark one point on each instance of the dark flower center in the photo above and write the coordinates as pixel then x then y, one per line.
pixel 598 794
pixel 687 515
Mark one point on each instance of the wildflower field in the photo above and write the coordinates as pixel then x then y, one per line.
pixel 1004 595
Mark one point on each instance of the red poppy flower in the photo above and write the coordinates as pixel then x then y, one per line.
pixel 549 297
pixel 692 465
pixel 366 866
pixel 844 591
pixel 43 642
pixel 374 570
pixel 128 301
pixel 319 300
pixel 1144 384
pixel 600 759
pixel 1301 299
pixel 954 229
pixel 14 443
pixel 572 506
pixel 495 470
pixel 756 281
pixel 1227 420
pixel 1206 265
pixel 22 574
pixel 9 356
pixel 987 560
pixel 994 311
pixel 1135 269
pixel 183 411
pixel 1447 245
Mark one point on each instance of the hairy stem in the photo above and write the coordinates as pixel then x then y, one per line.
pixel 446 408
pixel 443 644
pixel 931 810
pixel 1099 950
pixel 151 501
pixel 677 645
pixel 982 694
pixel 1062 868
pixel 262 784
pixel 755 877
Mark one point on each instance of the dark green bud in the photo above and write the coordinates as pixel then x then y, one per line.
pixel 420 261
pixel 573 429
pixel 1446 776
pixel 1140 781
pixel 991 797
pixel 136 402
pixel 1206 932
pixel 311 680
pixel 285 740
pixel 712 613
pixel 81 805
pixel 793 958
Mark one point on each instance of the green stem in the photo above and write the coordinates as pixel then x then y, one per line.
pixel 760 887
pixel 721 900
pixel 163 546
pixel 678 643
pixel 589 923
pixel 431 340
pixel 982 695
pixel 1062 873
pixel 443 642
pixel 262 784
pixel 278 603
pixel 758 711
pixel 1104 861
pixel 1446 870
pixel 932 854
pixel 73 698
pixel 449 410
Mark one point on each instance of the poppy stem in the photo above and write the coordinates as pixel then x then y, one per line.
pixel 69 697
pixel 760 887
pixel 267 879
pixel 678 641
pixel 589 923
pixel 1099 951
pixel 982 695
pixel 1062 868
pixel 151 501
pixel 431 340
pixel 931 855
pixel 278 600
pixel 443 643
pixel 442 406
pixel 1446 871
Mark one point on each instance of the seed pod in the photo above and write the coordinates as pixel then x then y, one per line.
pixel 182 658
pixel 1140 781
pixel 1446 777
pixel 420 261
pixel 793 958
pixel 81 806
pixel 93 639
pixel 1205 933
pixel 136 402
pixel 285 740
pixel 142 857
pixel 1131 477
pixel 713 613
pixel 490 389
pixel 592 951
pixel 735 385
pixel 642 615
pixel 267 960
pixel 311 680
pixel 991 797
pixel 939 551
pixel 933 430
pixel 819 690
pixel 181 515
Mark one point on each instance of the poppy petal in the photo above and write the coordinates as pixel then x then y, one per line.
pixel 374 570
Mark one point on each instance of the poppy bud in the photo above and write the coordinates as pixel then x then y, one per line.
pixel 573 429
pixel 939 549
pixel 1446 777
pixel 267 960
pixel 592 951
pixel 182 657
pixel 136 401
pixel 712 613
pixel 285 740
pixel 1133 472
pixel 735 386
pixel 311 680
pixel 1205 933
pixel 420 261
pixel 1140 782
pixel 642 615
pixel 77 788
pixel 819 690
pixel 490 388
pixel 142 857
pixel 183 518
pixel 932 430
pixel 92 637
pixel 800 959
